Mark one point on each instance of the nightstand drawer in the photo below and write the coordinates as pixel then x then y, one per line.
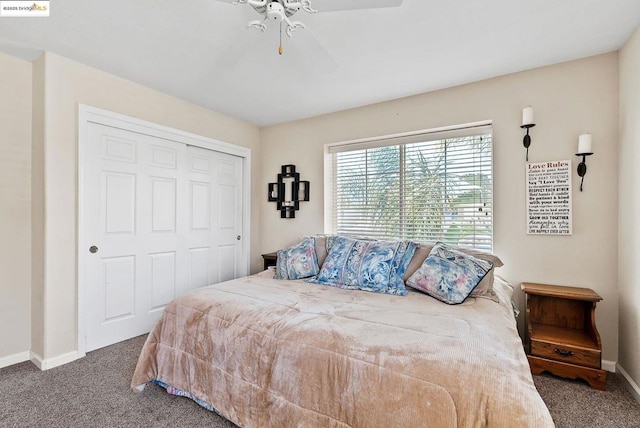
pixel 566 353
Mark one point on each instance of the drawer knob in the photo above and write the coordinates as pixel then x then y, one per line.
pixel 563 352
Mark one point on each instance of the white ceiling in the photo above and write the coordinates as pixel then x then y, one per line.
pixel 200 51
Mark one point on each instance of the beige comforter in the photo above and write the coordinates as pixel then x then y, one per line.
pixel 270 353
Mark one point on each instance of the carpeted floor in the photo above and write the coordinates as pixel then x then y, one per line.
pixel 94 392
pixel 573 403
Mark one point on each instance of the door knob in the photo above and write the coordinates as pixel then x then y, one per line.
pixel 93 249
pixel 238 237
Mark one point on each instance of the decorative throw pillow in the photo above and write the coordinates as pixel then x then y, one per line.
pixel 449 275
pixel 376 266
pixel 484 289
pixel 331 239
pixel 298 261
pixel 324 243
pixel 321 246
pixel 421 253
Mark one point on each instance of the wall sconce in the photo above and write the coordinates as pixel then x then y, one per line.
pixel 584 150
pixel 527 122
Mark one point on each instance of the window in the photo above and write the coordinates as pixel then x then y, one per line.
pixel 434 186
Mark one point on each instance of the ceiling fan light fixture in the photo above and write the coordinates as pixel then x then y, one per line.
pixel 275 11
pixel 282 11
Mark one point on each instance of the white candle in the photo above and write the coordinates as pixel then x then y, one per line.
pixel 584 143
pixel 527 115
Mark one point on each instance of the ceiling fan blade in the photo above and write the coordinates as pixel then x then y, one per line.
pixel 243 42
pixel 251 47
pixel 313 53
pixel 336 5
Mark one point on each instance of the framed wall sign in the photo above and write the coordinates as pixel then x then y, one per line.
pixel 549 209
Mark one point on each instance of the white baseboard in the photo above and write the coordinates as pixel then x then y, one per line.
pixel 36 359
pixel 49 363
pixel 631 384
pixel 10 360
pixel 609 366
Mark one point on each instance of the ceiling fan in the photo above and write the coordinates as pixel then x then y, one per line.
pixel 281 11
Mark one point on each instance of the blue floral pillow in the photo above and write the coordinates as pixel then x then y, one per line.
pixel 449 275
pixel 376 266
pixel 298 261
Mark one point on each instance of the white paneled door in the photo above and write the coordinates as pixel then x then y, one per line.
pixel 160 218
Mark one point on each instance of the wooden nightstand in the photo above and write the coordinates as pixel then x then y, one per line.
pixel 270 259
pixel 561 332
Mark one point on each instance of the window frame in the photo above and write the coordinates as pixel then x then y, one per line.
pixel 456 131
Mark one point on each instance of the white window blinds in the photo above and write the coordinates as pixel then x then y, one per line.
pixel 423 187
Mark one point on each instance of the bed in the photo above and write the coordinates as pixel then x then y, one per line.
pixel 266 352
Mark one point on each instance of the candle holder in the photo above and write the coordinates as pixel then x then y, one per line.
pixel 582 167
pixel 526 141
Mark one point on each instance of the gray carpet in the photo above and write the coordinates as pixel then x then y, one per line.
pixel 573 403
pixel 94 392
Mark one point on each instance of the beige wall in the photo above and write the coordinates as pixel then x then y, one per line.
pixel 569 99
pixel 68 83
pixel 15 205
pixel 629 208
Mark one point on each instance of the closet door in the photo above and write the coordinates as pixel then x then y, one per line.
pixel 157 220
pixel 215 216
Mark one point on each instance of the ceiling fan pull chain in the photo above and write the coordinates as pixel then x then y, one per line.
pixel 280 48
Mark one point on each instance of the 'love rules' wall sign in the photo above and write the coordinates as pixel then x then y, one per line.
pixel 549 198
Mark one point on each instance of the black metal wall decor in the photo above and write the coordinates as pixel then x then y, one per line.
pixel 278 194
